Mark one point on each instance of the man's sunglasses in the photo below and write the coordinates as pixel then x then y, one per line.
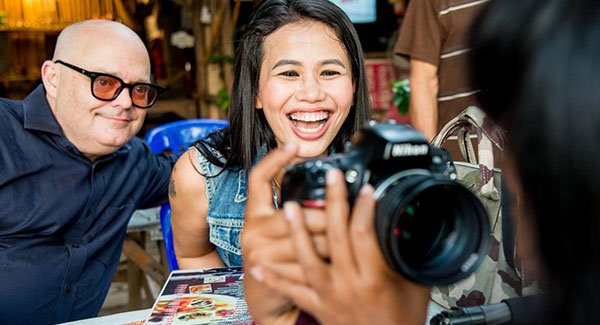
pixel 107 87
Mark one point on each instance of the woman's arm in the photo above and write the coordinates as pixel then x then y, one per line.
pixel 189 207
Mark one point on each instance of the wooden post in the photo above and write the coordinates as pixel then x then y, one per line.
pixel 219 35
pixel 199 51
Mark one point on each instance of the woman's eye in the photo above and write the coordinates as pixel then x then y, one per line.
pixel 289 74
pixel 330 73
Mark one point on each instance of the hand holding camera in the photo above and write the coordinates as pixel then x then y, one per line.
pixel 430 228
pixel 352 286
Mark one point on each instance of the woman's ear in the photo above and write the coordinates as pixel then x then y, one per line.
pixel 258 104
pixel 50 76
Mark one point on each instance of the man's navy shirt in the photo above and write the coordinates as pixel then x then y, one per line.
pixel 63 218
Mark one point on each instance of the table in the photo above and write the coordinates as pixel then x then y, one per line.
pixel 139 261
pixel 129 318
pixel 139 316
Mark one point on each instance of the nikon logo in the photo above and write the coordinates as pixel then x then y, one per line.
pixel 407 149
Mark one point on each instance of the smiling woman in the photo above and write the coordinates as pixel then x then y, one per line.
pixel 305 86
pixel 299 79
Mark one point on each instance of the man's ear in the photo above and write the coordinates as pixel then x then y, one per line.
pixel 50 75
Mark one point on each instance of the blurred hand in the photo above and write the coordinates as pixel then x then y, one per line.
pixel 266 240
pixel 355 286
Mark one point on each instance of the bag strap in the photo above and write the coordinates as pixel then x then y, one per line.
pixel 488 135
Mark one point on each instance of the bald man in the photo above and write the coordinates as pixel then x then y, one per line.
pixel 73 172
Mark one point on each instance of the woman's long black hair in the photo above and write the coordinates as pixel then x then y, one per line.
pixel 240 142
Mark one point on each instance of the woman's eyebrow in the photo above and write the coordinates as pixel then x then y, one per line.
pixel 333 61
pixel 286 62
pixel 298 63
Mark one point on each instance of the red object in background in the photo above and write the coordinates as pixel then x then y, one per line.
pixel 159 64
pixel 379 76
pixel 393 114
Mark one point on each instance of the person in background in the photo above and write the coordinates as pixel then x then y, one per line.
pixel 537 64
pixel 433 36
pixel 73 172
pixel 299 77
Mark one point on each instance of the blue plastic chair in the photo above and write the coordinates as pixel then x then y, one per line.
pixel 176 137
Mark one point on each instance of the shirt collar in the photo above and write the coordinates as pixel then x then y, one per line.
pixel 37 114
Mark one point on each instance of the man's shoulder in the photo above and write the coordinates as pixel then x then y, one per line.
pixel 138 150
pixel 136 142
pixel 9 105
pixel 11 112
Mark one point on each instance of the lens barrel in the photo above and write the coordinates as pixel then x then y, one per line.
pixel 430 229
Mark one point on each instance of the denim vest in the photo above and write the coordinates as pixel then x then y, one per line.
pixel 226 197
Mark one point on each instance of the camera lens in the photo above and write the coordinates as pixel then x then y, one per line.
pixel 431 229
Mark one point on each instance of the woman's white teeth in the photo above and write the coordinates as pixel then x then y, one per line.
pixel 309 122
pixel 309 116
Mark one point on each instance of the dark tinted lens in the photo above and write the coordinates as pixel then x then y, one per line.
pixel 143 95
pixel 106 87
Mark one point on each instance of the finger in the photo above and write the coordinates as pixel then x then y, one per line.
pixel 269 227
pixel 315 221
pixel 362 232
pixel 283 251
pixel 337 210
pixel 303 296
pixel 260 199
pixel 313 265
pixel 275 225
pixel 292 270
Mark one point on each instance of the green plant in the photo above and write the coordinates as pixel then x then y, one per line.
pixel 222 99
pixel 401 90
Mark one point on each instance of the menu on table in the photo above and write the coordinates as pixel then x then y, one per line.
pixel 211 296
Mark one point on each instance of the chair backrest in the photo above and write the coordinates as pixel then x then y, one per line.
pixel 176 137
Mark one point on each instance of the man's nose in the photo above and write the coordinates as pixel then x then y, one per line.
pixel 123 99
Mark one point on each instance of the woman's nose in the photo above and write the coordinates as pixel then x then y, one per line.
pixel 311 90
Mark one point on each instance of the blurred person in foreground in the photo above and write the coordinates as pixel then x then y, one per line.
pixel 537 63
pixel 73 172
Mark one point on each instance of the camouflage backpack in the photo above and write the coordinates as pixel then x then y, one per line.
pixel 495 279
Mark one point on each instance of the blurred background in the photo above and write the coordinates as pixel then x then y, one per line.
pixel 191 45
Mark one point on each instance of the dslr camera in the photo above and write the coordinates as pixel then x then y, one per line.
pixel 430 228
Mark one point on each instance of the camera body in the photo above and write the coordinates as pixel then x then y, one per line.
pixel 430 228
pixel 375 154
